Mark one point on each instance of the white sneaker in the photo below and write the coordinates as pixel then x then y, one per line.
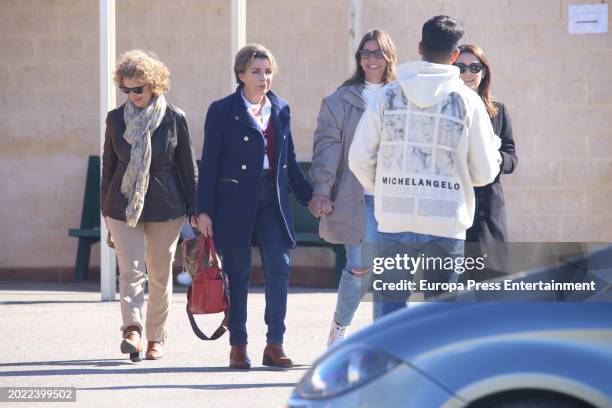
pixel 336 333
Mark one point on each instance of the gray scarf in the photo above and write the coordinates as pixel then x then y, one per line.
pixel 139 126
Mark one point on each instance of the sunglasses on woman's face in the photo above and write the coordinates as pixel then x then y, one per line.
pixel 474 67
pixel 365 53
pixel 137 89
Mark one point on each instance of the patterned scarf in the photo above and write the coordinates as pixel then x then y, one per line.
pixel 140 123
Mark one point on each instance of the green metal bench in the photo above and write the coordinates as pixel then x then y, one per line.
pixel 307 231
pixel 89 232
pixel 306 226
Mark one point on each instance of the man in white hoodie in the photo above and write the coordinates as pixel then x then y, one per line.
pixel 421 146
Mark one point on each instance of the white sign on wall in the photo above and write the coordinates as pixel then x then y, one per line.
pixel 587 18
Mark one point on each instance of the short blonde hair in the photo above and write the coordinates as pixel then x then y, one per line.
pixel 145 66
pixel 247 55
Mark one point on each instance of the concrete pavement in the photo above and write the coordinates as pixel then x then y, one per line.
pixel 60 335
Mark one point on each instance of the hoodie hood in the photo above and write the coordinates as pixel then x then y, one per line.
pixel 425 84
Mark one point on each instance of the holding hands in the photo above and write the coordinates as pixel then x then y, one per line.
pixel 320 205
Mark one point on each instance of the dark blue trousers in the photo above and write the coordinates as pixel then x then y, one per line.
pixel 269 234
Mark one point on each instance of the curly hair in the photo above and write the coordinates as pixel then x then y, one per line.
pixel 144 66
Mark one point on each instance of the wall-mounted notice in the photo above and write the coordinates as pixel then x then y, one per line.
pixel 588 18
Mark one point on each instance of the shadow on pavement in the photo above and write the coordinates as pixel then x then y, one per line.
pixel 191 386
pixel 45 302
pixel 136 369
pixel 106 362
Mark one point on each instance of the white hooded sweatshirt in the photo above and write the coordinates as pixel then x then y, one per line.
pixel 422 146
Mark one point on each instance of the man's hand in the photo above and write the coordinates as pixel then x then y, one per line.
pixel 205 225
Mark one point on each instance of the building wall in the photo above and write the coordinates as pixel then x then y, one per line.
pixel 556 87
pixel 49 98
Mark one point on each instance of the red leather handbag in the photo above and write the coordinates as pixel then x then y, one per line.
pixel 209 290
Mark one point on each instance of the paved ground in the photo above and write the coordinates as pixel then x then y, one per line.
pixel 61 335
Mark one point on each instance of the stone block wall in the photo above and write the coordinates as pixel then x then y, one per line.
pixel 556 87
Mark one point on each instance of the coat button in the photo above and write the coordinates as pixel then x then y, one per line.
pixel 284 166
pixel 243 167
pixel 246 138
pixel 236 117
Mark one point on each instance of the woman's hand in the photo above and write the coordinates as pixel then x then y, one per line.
pixel 193 221
pixel 320 205
pixel 205 225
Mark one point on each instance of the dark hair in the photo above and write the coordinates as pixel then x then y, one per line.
pixel 485 83
pixel 389 52
pixel 440 36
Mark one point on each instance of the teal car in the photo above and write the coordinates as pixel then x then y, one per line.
pixel 470 355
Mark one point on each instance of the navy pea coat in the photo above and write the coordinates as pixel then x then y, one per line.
pixel 230 171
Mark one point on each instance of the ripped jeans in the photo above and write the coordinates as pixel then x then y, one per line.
pixel 353 287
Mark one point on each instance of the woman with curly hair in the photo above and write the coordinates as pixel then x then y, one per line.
pixel 148 185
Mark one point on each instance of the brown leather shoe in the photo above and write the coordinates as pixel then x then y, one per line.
pixel 132 343
pixel 154 350
pixel 239 358
pixel 274 356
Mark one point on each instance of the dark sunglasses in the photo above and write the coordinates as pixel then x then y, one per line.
pixel 474 67
pixel 365 53
pixel 137 89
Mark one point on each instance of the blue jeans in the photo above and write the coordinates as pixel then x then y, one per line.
pixel 415 246
pixel 269 233
pixel 352 288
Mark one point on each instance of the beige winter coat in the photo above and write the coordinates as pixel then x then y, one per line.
pixel 338 118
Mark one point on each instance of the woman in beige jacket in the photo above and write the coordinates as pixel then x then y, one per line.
pixel 346 210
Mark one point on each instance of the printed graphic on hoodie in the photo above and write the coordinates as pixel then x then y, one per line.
pixel 417 155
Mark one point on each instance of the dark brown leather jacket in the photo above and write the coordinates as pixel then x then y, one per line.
pixel 173 172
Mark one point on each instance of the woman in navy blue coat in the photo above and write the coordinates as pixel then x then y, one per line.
pixel 247 171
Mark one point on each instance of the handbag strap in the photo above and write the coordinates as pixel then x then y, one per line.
pixel 201 249
pixel 207 247
pixel 194 325
pixel 213 257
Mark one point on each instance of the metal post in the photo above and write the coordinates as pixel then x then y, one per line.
pixel 354 31
pixel 108 287
pixel 238 41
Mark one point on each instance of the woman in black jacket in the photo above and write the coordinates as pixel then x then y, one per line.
pixel 148 186
pixel 488 234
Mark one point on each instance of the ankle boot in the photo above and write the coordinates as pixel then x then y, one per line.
pixel 239 358
pixel 274 356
